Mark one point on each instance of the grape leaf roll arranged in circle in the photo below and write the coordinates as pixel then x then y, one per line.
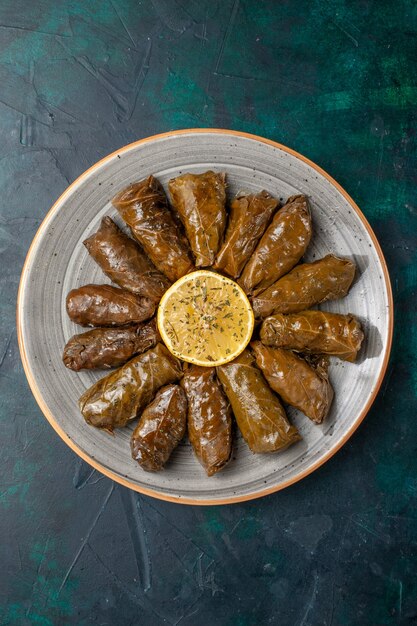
pixel 285 356
pixel 299 384
pixel 249 216
pixel 118 397
pixel 160 428
pixel 105 305
pixel 199 201
pixel 144 208
pixel 109 347
pixel 209 418
pixel 314 332
pixel 124 262
pixel 280 248
pixel 259 414
pixel 307 284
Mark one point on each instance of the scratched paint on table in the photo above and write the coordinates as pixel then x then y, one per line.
pixel 334 80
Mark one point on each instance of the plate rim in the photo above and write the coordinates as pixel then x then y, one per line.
pixel 120 479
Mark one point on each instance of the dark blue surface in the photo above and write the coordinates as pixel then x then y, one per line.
pixel 334 80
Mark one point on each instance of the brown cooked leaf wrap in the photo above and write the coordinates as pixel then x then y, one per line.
pixel 259 414
pixel 121 395
pixel 199 201
pixel 307 284
pixel 249 216
pixel 160 429
pixel 144 208
pixel 105 305
pixel 314 332
pixel 281 247
pixel 124 262
pixel 209 418
pixel 299 384
pixel 109 347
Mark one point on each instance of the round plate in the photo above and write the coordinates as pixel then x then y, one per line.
pixel 57 262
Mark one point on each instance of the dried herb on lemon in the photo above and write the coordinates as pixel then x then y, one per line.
pixel 205 318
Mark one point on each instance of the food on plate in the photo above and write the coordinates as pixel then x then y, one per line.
pixel 205 318
pixel 249 215
pixel 120 396
pixel 259 414
pixel 314 332
pixel 105 305
pixel 144 208
pixel 307 284
pixel 209 418
pixel 124 262
pixel 298 383
pixel 199 201
pixel 160 428
pixel 280 248
pixel 109 347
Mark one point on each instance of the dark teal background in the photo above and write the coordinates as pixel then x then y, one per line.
pixel 335 80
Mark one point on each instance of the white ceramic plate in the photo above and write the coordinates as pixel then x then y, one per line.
pixel 57 261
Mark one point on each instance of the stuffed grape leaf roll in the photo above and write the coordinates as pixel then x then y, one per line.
pixel 249 216
pixel 299 384
pixel 199 201
pixel 280 248
pixel 314 332
pixel 109 347
pixel 105 305
pixel 121 395
pixel 160 429
pixel 124 262
pixel 259 414
pixel 144 208
pixel 209 418
pixel 307 284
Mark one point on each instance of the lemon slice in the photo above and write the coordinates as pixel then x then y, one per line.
pixel 205 318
